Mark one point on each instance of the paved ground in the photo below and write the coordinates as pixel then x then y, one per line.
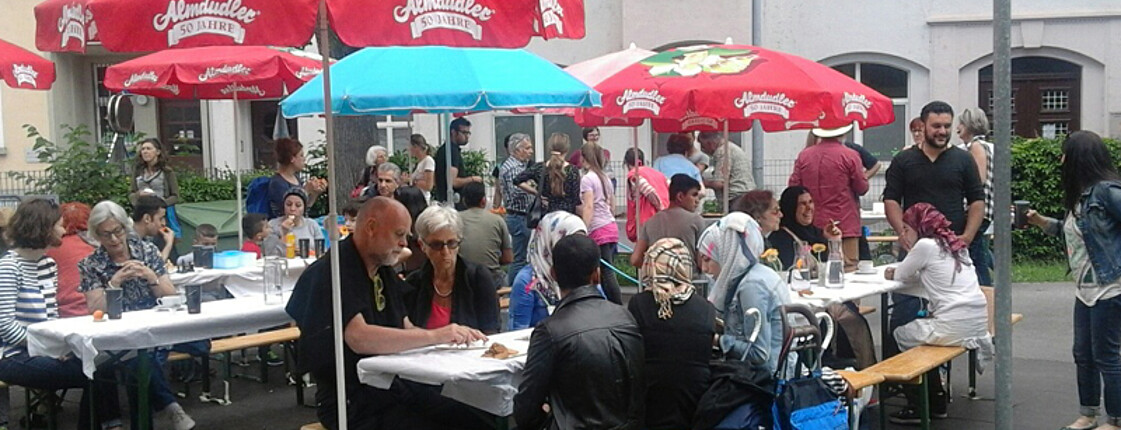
pixel 1044 388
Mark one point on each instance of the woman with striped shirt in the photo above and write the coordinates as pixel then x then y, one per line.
pixel 28 284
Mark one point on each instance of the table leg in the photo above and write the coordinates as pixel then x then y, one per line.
pixel 143 375
pixel 502 423
pixel 885 330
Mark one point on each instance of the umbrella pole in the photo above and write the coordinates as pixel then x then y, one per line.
pixel 726 167
pixel 637 199
pixel 332 217
pixel 237 174
pixel 450 193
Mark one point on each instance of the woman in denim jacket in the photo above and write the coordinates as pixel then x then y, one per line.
pixel 730 249
pixel 1092 229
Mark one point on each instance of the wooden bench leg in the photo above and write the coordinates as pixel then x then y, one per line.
pixel 973 374
pixel 882 406
pixel 924 402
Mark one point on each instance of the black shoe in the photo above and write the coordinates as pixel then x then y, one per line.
pixel 909 415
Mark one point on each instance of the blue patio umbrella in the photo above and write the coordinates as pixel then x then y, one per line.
pixel 440 79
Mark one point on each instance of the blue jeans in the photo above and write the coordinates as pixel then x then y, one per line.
pixel 160 394
pixel 981 255
pixel 519 235
pixel 1097 354
pixel 48 373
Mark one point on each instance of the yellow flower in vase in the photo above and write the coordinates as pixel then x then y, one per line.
pixel 770 258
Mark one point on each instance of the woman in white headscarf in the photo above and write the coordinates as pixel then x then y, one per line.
pixel 730 249
pixel 535 289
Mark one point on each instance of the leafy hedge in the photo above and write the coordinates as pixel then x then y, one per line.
pixel 78 170
pixel 1036 177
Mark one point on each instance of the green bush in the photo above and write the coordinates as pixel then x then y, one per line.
pixel 78 171
pixel 1036 177
pixel 194 188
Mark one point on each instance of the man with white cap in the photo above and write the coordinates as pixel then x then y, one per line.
pixel 835 177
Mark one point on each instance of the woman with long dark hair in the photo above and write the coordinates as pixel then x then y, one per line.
pixel 291 161
pixel 152 175
pixel 1092 228
pixel 559 184
pixel 597 196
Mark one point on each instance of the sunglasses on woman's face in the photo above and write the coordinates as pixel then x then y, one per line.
pixel 439 246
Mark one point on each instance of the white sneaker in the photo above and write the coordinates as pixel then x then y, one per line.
pixel 176 417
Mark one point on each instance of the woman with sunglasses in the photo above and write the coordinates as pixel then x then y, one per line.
pixel 449 289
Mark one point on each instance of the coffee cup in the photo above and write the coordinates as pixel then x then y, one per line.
pixel 194 299
pixel 1021 213
pixel 173 301
pixel 114 303
pixel 865 266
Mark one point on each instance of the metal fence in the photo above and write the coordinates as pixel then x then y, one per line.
pixel 10 185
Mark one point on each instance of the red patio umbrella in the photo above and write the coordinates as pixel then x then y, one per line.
pixel 152 25
pixel 741 82
pixel 21 68
pixel 216 73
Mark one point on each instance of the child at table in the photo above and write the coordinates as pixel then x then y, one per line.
pixel 256 229
pixel 205 235
pixel 958 313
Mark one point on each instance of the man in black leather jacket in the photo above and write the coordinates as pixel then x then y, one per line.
pixel 584 368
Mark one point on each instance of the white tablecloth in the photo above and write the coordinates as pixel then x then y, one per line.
pixel 857 286
pixel 244 281
pixel 150 328
pixel 485 383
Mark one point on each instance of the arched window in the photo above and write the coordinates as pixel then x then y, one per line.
pixel 883 141
pixel 1046 96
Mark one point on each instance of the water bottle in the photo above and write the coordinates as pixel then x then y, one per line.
pixel 835 267
pixel 290 245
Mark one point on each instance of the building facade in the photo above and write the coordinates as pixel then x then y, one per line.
pixel 1066 76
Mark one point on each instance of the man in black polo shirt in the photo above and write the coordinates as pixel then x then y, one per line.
pixel 374 314
pixel 460 131
pixel 944 176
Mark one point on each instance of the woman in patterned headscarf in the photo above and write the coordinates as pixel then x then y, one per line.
pixel 535 289
pixel 677 328
pixel 730 249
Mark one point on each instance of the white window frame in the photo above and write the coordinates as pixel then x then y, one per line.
pixel 538 133
pixel 389 125
pixel 858 133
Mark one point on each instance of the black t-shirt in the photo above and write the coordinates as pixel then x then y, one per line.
pixel 310 305
pixel 440 190
pixel 950 182
pixel 867 160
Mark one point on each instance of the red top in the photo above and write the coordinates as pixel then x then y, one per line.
pixel 250 246
pixel 439 317
pixel 835 178
pixel 656 180
pixel 71 303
